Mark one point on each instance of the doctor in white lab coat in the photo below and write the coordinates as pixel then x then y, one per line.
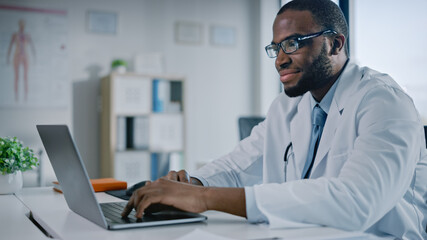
pixel 370 169
pixel 369 173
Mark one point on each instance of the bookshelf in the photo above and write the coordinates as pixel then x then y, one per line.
pixel 142 126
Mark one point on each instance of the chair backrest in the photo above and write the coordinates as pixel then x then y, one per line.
pixel 425 134
pixel 246 124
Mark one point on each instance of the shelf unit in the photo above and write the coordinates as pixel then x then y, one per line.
pixel 142 126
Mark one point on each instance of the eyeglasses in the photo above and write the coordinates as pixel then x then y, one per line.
pixel 291 45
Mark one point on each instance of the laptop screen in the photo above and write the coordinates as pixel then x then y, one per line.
pixel 71 172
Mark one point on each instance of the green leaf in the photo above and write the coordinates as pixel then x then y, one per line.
pixel 14 157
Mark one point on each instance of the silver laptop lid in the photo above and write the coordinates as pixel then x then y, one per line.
pixel 71 172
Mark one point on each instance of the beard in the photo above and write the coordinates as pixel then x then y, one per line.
pixel 318 75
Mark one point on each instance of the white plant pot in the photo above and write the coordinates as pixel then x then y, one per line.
pixel 10 183
pixel 120 69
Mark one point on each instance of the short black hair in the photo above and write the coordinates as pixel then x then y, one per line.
pixel 325 13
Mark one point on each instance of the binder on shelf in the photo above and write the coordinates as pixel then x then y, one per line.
pixel 163 164
pixel 130 130
pixel 132 133
pixel 175 97
pixel 121 134
pixel 159 165
pixel 157 103
pixel 141 133
pixel 161 95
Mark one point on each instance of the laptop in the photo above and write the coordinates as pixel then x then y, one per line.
pixel 80 196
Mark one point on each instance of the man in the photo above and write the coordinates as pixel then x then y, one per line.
pixel 343 147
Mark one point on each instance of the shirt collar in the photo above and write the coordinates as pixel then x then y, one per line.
pixel 325 103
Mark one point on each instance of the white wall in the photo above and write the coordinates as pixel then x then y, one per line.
pixel 218 78
pixel 390 36
pixel 270 84
pixel 221 81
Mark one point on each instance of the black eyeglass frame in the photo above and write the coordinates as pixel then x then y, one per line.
pixel 281 45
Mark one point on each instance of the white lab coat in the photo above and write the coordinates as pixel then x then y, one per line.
pixel 370 170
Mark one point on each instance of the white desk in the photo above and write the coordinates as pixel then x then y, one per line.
pixel 52 213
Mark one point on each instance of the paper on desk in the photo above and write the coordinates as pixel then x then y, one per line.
pixel 200 234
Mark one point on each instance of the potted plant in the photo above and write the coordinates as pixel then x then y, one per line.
pixel 14 159
pixel 119 65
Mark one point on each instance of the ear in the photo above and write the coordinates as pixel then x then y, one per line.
pixel 338 42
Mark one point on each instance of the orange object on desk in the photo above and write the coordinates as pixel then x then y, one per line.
pixel 99 185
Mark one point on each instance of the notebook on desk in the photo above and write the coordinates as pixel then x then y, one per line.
pixel 79 194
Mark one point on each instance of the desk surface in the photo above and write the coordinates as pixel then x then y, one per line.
pixel 52 213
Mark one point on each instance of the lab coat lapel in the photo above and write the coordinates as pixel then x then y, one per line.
pixel 346 87
pixel 300 132
pixel 332 121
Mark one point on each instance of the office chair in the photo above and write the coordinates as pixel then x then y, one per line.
pixel 246 124
pixel 425 134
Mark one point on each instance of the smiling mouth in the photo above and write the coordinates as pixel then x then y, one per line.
pixel 287 75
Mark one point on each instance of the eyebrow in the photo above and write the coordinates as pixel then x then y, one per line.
pixel 295 35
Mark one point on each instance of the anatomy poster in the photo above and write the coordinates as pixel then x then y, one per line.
pixel 33 58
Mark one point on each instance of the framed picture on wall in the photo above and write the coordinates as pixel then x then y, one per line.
pixel 102 22
pixel 188 32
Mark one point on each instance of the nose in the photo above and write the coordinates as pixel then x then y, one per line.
pixel 282 60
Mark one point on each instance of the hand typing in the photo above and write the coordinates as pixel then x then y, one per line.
pixel 163 191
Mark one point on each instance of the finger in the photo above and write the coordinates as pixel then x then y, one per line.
pixel 136 197
pixel 146 201
pixel 183 176
pixel 128 208
pixel 172 175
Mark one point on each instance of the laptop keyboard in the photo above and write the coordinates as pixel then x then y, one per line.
pixel 113 211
